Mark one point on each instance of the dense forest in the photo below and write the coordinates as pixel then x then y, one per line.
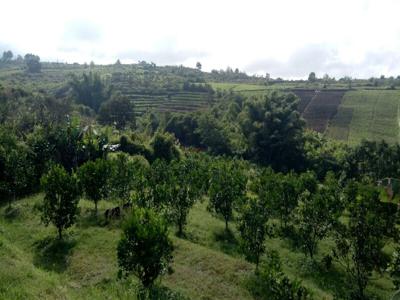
pixel 78 151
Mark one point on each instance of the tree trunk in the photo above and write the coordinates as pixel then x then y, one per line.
pixel 180 229
pixel 95 208
pixel 257 263
pixel 226 225
pixel 60 233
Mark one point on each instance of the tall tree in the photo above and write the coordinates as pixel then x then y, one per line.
pixel 7 57
pixel 312 77
pixel 274 130
pixel 90 90
pixel 33 64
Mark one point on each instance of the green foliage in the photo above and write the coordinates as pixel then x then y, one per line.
pixel 123 177
pixel 272 284
pixel 145 249
pixel 227 188
pixel 253 228
pixel 94 178
pixel 279 192
pixel 323 155
pixel 7 57
pixel 374 160
pixel 184 127
pixel 134 147
pixel 60 204
pixel 16 172
pixel 394 267
pixel 366 114
pixel 213 134
pixel 274 131
pixel 317 214
pixel 312 77
pixel 184 189
pixel 33 64
pixel 164 147
pixel 90 90
pixel 119 110
pixel 360 241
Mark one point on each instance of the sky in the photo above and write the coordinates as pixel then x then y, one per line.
pixel 285 38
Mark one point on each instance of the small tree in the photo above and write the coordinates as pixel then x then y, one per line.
pixel 227 187
pixel 198 66
pixel 253 228
pixel 360 241
pixel 145 249
pixel 184 191
pixel 93 178
pixel 60 204
pixel 280 193
pixel 317 214
pixel 123 175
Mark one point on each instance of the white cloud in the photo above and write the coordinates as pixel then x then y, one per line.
pixel 286 38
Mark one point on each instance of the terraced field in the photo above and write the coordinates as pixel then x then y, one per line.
pixel 363 114
pixel 321 108
pixel 163 102
pixel 305 98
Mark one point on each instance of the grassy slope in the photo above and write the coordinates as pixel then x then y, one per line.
pixel 367 114
pixel 207 264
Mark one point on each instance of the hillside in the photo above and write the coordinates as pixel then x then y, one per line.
pixel 206 265
pixel 352 115
pixel 367 114
pixel 364 112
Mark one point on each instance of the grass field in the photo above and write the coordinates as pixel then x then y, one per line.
pixel 366 114
pixel 207 263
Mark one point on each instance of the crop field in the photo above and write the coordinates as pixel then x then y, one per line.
pixel 164 101
pixel 321 108
pixel 366 114
pixel 305 98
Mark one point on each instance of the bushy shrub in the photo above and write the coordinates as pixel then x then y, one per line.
pixel 272 284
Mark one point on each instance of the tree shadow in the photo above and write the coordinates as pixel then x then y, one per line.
pixel 160 292
pixel 331 279
pixel 88 219
pixel 11 213
pixel 52 254
pixel 228 242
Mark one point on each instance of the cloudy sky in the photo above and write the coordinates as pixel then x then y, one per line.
pixel 286 38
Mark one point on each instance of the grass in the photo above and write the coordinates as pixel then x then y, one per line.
pixel 363 114
pixel 207 262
